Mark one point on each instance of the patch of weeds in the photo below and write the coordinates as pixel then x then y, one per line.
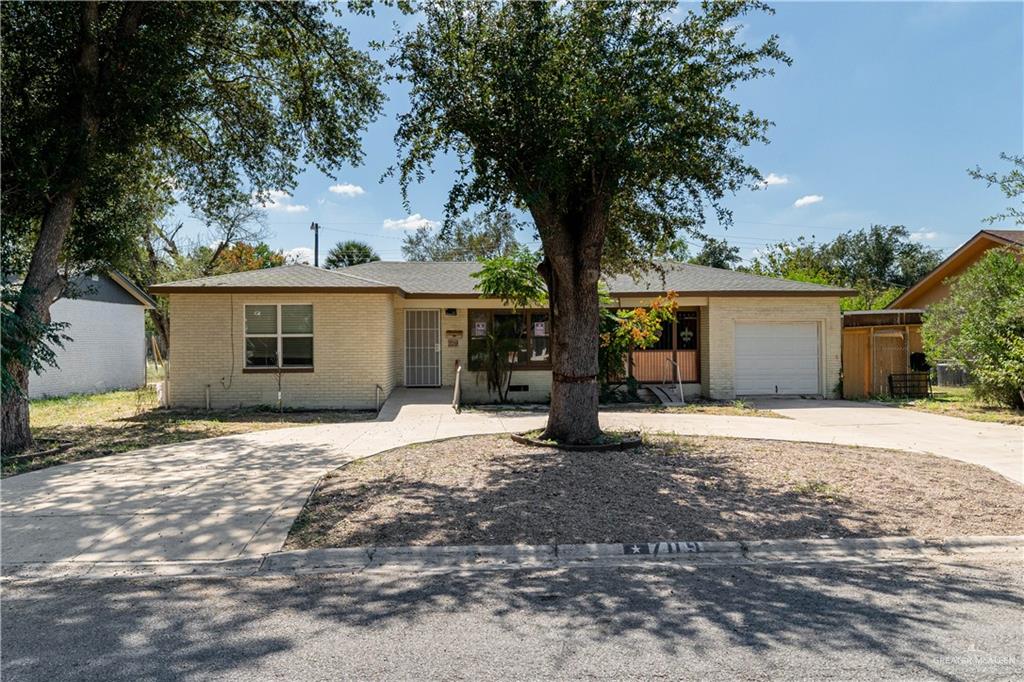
pixel 819 490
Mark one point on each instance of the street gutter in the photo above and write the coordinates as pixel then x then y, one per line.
pixel 639 555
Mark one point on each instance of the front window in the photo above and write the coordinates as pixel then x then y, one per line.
pixel 526 335
pixel 279 336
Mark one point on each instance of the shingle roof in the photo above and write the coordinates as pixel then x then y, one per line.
pixel 284 277
pixel 455 279
pixel 1015 236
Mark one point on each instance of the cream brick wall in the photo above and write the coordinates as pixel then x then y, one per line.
pixel 359 342
pixel 352 334
pixel 725 312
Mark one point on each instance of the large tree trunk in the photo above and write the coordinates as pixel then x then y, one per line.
pixel 42 285
pixel 43 281
pixel 571 268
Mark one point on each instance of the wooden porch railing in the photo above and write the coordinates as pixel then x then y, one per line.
pixel 655 366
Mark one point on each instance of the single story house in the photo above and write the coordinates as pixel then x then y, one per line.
pixel 105 314
pixel 346 338
pixel 935 286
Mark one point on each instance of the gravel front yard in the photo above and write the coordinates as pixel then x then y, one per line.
pixel 489 490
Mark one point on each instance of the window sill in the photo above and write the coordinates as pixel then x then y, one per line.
pixel 275 370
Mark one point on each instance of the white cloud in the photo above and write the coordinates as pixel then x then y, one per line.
pixel 347 190
pixel 773 179
pixel 300 254
pixel 413 222
pixel 276 200
pixel 923 236
pixel 808 200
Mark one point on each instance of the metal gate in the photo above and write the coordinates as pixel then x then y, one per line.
pixel 422 347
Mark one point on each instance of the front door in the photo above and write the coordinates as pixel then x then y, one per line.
pixel 422 347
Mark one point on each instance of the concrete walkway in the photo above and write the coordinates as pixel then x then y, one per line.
pixel 999 447
pixel 237 496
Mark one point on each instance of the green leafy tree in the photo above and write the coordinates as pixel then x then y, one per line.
pixel 716 253
pixel 980 326
pixel 880 262
pixel 352 252
pixel 1011 184
pixel 611 123
pixel 104 102
pixel 514 280
pixel 487 234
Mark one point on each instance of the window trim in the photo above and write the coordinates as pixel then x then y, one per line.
pixel 527 314
pixel 280 336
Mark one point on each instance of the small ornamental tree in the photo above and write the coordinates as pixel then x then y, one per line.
pixel 515 281
pixel 612 123
pixel 626 330
pixel 980 326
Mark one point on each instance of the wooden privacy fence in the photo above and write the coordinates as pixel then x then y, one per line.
pixel 874 351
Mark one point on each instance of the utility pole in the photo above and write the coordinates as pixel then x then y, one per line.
pixel 316 243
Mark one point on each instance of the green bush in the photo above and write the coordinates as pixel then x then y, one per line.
pixel 980 326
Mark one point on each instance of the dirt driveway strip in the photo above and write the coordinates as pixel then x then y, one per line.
pixel 238 495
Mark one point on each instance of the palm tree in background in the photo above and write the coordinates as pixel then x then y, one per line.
pixel 344 254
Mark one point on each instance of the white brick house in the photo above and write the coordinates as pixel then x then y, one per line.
pixel 343 338
pixel 107 350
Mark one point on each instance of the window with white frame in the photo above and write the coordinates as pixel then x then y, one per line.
pixel 279 335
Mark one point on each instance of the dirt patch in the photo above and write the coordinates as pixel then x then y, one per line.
pixel 489 490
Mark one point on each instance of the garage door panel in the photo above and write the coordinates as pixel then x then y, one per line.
pixel 776 358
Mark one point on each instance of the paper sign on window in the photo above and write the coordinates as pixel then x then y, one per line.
pixel 480 328
pixel 540 328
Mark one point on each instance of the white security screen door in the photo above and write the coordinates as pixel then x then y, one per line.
pixel 422 347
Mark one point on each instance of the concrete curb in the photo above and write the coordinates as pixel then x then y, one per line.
pixel 513 557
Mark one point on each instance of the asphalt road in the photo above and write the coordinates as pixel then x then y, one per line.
pixel 960 619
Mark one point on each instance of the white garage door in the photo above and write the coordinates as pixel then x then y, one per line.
pixel 777 358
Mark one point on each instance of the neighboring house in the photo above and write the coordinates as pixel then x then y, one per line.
pixel 934 286
pixel 338 338
pixel 878 344
pixel 107 350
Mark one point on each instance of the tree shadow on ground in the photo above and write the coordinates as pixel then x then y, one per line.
pixel 684 490
pixel 723 620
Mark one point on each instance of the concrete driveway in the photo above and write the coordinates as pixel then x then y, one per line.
pixel 999 447
pixel 237 496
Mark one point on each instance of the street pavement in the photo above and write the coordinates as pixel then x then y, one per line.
pixel 958 618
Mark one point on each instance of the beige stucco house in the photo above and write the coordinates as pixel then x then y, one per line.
pixel 346 338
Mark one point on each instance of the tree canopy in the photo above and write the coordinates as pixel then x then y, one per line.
pixel 352 252
pixel 114 109
pixel 611 123
pixel 1011 184
pixel 880 262
pixel 487 234
pixel 716 253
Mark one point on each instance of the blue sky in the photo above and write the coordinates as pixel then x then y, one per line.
pixel 884 109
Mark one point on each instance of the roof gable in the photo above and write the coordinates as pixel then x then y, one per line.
pixel 968 252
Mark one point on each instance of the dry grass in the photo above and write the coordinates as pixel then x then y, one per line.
pixel 960 402
pixel 733 408
pixel 489 490
pixel 108 423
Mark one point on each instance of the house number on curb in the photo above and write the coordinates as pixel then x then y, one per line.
pixel 656 548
